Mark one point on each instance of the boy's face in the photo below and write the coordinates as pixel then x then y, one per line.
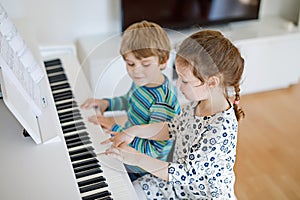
pixel 145 71
pixel 190 86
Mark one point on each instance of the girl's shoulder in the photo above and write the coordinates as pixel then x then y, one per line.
pixel 225 120
pixel 226 116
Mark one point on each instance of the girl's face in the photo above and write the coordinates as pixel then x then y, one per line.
pixel 145 71
pixel 190 86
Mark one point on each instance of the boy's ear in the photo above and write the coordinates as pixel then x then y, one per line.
pixel 164 60
pixel 162 66
pixel 213 81
pixel 163 63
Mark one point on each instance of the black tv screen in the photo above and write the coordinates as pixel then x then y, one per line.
pixel 180 14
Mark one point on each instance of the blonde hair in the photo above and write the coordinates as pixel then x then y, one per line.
pixel 211 54
pixel 145 39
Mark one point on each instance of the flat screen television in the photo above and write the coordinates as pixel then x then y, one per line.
pixel 181 14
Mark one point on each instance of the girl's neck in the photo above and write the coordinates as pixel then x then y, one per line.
pixel 211 106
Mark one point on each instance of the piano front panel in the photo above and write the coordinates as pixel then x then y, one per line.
pixel 97 177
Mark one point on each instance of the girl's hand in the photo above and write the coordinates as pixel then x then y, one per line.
pixel 100 104
pixel 125 154
pixel 105 122
pixel 118 138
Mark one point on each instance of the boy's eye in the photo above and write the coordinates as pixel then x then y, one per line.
pixel 130 64
pixel 146 64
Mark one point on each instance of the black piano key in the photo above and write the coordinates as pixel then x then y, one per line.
pixel 69 113
pixel 73 140
pixel 88 173
pixel 66 105
pixel 84 162
pixel 63 95
pixel 91 181
pixel 82 156
pixel 54 70
pixel 98 195
pixel 105 198
pixel 82 150
pixel 60 86
pixel 80 143
pixel 93 187
pixel 63 98
pixel 86 168
pixel 57 78
pixel 70 119
pixel 76 139
pixel 53 62
pixel 73 127
pixel 76 135
pixel 66 118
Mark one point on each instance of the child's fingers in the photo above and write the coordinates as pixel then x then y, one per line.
pixel 109 132
pixel 107 141
pixel 115 155
pixel 96 119
pixel 86 104
pixel 93 119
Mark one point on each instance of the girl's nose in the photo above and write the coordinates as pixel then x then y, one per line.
pixel 178 83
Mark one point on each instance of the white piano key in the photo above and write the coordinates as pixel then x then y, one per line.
pixel 94 192
pixel 59 82
pixel 56 73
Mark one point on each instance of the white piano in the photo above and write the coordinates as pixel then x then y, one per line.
pixel 58 160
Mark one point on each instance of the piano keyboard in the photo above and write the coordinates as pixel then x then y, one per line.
pixel 96 178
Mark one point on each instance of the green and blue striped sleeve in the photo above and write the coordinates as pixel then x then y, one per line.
pixel 161 111
pixel 118 103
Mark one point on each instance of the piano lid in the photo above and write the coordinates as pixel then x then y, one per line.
pixel 25 89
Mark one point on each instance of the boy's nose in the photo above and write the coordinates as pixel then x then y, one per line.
pixel 137 69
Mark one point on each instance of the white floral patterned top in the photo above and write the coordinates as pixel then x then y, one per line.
pixel 203 159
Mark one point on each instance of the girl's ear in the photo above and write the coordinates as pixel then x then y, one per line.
pixel 213 81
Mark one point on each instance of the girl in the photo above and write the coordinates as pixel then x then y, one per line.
pixel 205 131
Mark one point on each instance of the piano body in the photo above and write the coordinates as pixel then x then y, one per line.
pixel 59 160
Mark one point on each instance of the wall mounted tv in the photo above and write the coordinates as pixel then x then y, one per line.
pixel 180 14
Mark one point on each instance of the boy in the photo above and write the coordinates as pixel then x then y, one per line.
pixel 145 48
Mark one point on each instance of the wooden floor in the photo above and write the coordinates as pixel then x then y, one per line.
pixel 268 150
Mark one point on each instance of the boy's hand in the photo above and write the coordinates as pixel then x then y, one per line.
pixel 105 122
pixel 125 154
pixel 118 138
pixel 100 104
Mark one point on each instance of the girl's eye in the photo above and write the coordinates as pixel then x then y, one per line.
pixel 184 82
pixel 130 64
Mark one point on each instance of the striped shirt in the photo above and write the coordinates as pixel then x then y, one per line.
pixel 145 105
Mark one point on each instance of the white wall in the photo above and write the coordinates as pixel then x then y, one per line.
pixel 55 21
pixel 288 9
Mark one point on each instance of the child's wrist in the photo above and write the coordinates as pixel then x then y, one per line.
pixel 106 104
pixel 131 131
